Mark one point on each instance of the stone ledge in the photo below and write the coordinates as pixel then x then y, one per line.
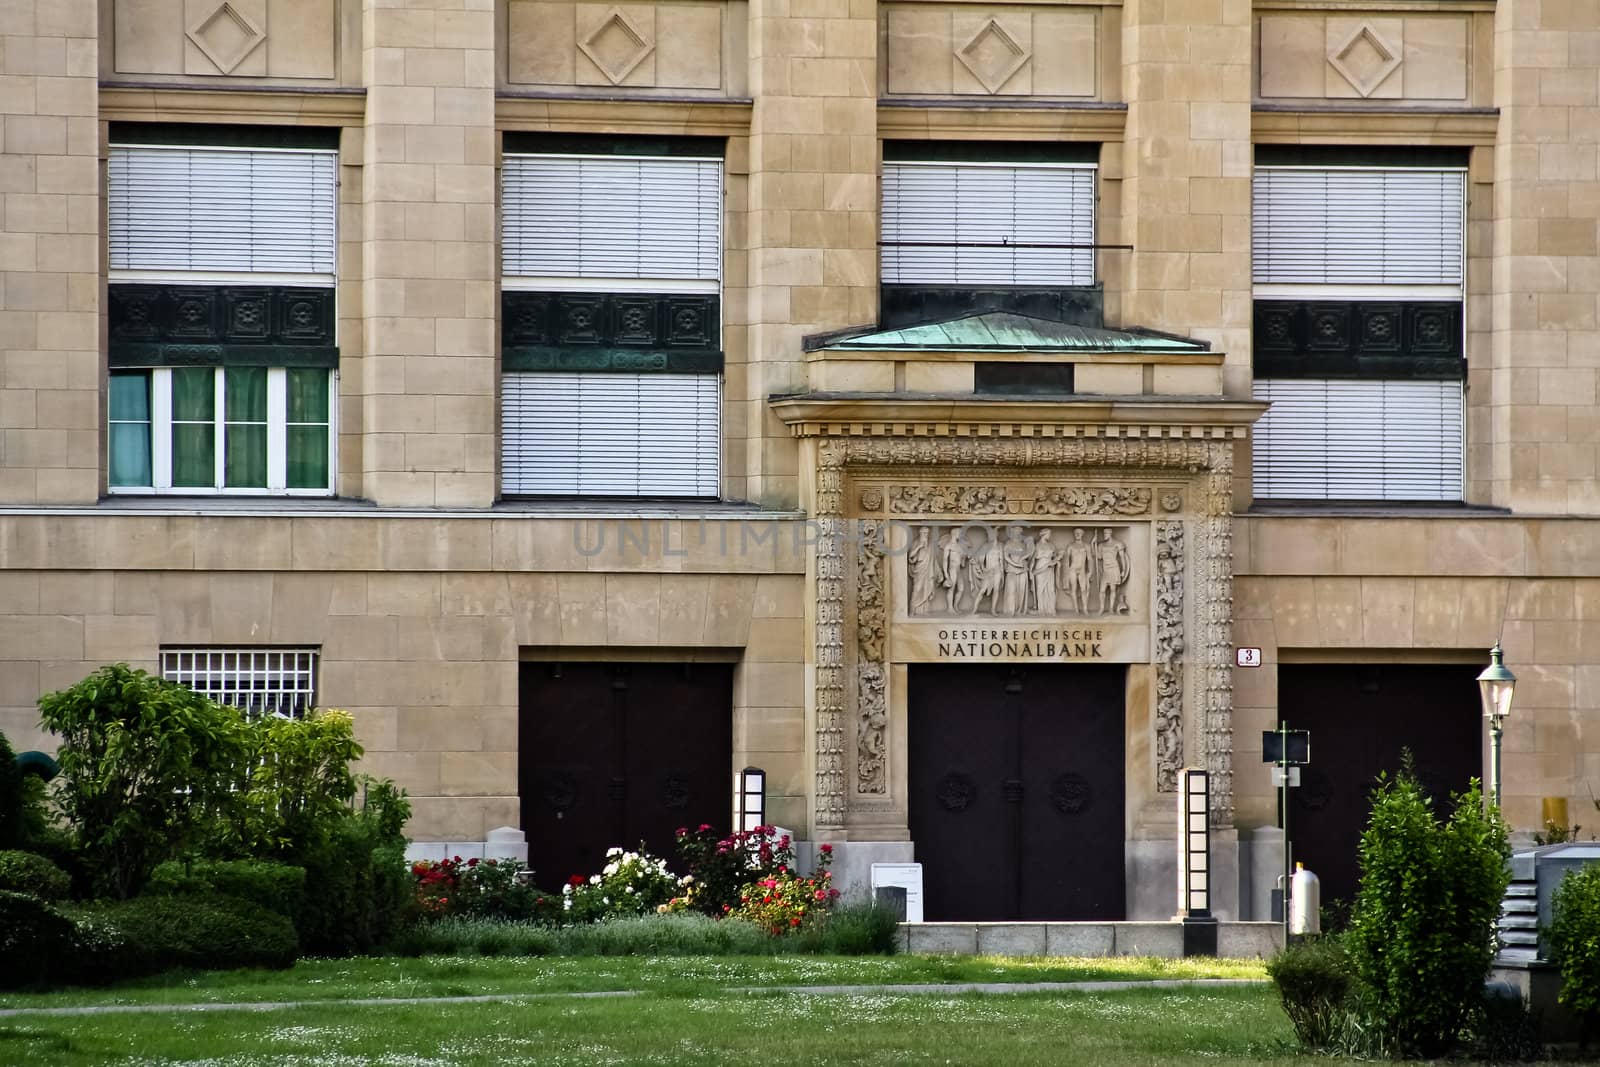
pixel 1084 939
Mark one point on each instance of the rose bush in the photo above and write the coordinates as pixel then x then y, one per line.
pixel 785 901
pixel 492 888
pixel 631 883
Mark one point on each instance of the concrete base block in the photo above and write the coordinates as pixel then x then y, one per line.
pixel 960 939
pixel 444 850
pixel 1538 984
pixel 1164 939
pixel 1249 940
pixel 852 863
pixel 1095 940
pixel 1012 939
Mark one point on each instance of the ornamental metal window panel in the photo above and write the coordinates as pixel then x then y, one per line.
pixel 1358 226
pixel 1359 440
pixel 612 217
pixel 611 434
pixel 951 223
pixel 259 681
pixel 181 209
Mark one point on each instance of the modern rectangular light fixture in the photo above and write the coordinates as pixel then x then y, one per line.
pixel 749 799
pixel 1194 843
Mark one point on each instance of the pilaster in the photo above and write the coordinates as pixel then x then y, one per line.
pixel 812 226
pixel 50 253
pixel 429 360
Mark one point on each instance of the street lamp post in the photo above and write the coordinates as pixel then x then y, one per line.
pixel 1496 685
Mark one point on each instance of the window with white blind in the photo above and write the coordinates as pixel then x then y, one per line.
pixel 221 318
pixel 611 434
pixel 988 224
pixel 611 343
pixel 222 210
pixel 602 218
pixel 258 681
pixel 1359 342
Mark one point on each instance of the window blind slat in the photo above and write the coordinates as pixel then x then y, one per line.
pixel 611 434
pixel 952 206
pixel 1359 440
pixel 1353 226
pixel 619 218
pixel 198 209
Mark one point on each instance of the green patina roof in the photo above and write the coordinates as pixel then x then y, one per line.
pixel 1006 331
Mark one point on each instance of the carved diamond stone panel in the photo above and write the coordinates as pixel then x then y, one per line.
pixel 226 36
pixel 1365 59
pixel 992 55
pixel 616 46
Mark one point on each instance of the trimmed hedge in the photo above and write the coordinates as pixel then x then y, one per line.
pixel 147 935
pixel 38 943
pixel 28 872
pixel 277 887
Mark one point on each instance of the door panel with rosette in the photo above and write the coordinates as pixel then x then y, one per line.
pixel 619 754
pixel 1017 790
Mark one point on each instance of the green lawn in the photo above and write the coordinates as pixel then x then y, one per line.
pixel 670 975
pixel 1149 1026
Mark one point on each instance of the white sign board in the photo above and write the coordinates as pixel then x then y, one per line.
pixel 1277 775
pixel 908 875
pixel 1247 657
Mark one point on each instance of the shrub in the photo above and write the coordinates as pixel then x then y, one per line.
pixel 28 872
pixel 720 865
pixel 157 933
pixel 1575 944
pixel 851 930
pixel 142 761
pixel 37 942
pixel 785 901
pixel 648 935
pixel 1314 980
pixel 1422 936
pixel 496 888
pixel 631 883
pixel 359 889
pixel 11 797
pixel 295 784
pixel 277 887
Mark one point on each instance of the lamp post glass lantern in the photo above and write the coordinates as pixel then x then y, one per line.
pixel 1496 685
pixel 749 799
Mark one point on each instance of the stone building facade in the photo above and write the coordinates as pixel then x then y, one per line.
pixel 1370 468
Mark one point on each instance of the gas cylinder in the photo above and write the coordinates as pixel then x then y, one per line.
pixel 1305 902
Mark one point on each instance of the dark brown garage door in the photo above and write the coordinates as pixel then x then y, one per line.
pixel 619 753
pixel 1361 718
pixel 1016 791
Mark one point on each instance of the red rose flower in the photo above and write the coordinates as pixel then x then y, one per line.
pixel 827 850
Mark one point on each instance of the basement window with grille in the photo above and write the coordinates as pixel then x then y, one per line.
pixel 1358 266
pixel 611 316
pixel 259 681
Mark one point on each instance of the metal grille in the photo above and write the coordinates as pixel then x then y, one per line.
pixel 259 681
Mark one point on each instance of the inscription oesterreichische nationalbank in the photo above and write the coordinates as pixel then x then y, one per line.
pixel 1022 642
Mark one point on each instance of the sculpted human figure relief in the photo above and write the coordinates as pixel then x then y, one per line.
pixel 988 575
pixel 1078 565
pixel 920 566
pixel 1018 554
pixel 953 570
pixel 1017 570
pixel 1046 572
pixel 1115 569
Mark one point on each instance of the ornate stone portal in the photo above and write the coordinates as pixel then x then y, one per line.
pixel 931 546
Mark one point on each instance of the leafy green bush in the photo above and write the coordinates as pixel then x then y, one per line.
pixel 359 888
pixel 11 796
pixel 37 942
pixel 28 872
pixel 295 784
pixel 143 761
pixel 649 935
pixel 1422 936
pixel 277 887
pixel 631 883
pixel 1575 943
pixel 157 933
pixel 1314 981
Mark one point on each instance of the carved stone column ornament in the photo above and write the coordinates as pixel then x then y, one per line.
pixel 830 579
pixel 872 710
pixel 1169 654
pixel 1214 620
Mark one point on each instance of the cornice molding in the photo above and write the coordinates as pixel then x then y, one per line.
pixel 144 103
pixel 676 117
pixel 867 415
pixel 1280 124
pixel 910 119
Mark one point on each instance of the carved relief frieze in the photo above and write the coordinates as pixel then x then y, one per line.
pixel 1006 500
pixel 941 49
pixel 649 46
pixel 1169 654
pixel 1015 571
pixel 237 39
pixel 1388 56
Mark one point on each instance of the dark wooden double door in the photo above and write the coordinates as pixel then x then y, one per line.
pixel 1016 790
pixel 1363 718
pixel 618 754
